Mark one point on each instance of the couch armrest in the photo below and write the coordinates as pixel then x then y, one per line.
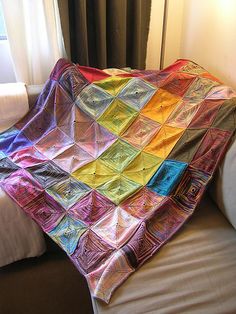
pixel 222 189
pixel 33 92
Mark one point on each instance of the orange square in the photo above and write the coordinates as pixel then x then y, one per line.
pixel 160 106
pixel 164 141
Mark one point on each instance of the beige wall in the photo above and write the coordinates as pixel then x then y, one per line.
pixel 209 36
pixel 174 21
pixel 174 24
pixel 203 31
pixel 155 35
pixel 64 15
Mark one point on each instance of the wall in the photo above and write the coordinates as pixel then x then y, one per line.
pixel 205 32
pixel 173 29
pixel 174 24
pixel 64 15
pixel 155 35
pixel 209 36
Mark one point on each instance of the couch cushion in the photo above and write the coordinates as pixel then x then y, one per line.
pixel 49 284
pixel 194 273
pixel 222 189
pixel 20 236
pixel 13 104
pixel 33 92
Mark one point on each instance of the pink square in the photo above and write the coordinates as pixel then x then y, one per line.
pixel 76 123
pixel 141 131
pixel 142 203
pixel 141 246
pixel 91 207
pixel 91 252
pixel 107 277
pixel 95 139
pixel 27 157
pixel 88 134
pixel 73 158
pixel 167 219
pixel 116 227
pixel 54 143
pixel 183 114
pixel 45 214
pixel 22 187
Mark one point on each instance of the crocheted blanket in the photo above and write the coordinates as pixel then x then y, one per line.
pixel 112 163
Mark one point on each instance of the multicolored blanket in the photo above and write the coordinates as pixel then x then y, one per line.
pixel 111 166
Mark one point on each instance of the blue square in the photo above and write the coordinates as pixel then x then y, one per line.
pixel 137 93
pixel 167 177
pixel 67 233
pixel 13 140
pixel 7 137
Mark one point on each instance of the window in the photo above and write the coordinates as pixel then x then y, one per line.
pixel 7 74
pixel 3 33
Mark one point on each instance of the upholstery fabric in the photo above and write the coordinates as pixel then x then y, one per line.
pixel 193 273
pixel 222 189
pixel 20 237
pixel 33 92
pixel 13 104
pixel 90 169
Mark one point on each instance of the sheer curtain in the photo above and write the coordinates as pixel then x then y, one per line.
pixel 35 37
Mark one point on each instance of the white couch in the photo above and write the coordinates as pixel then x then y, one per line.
pixel 196 271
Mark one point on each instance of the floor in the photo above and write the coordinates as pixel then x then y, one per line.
pixel 45 285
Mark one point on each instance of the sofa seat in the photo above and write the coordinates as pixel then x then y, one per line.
pixel 44 285
pixel 194 273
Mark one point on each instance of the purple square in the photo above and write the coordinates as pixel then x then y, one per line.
pixel 45 214
pixel 91 207
pixel 90 252
pixel 22 187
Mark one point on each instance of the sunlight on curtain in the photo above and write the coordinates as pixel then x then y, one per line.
pixel 35 38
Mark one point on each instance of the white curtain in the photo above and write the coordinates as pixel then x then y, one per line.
pixel 35 38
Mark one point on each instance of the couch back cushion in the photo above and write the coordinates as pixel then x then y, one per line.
pixel 223 187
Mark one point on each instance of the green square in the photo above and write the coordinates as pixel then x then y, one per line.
pixel 118 189
pixel 68 192
pixel 119 155
pixel 117 117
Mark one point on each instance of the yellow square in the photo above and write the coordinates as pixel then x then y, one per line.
pixel 94 174
pixel 160 106
pixel 164 141
pixel 113 84
pixel 142 168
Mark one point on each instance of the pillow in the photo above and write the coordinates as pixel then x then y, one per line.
pixel 223 187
